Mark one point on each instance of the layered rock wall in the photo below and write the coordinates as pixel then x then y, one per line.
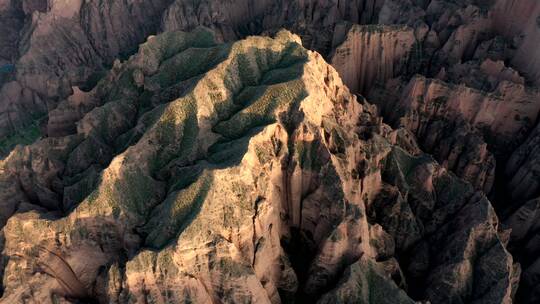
pixel 254 175
pixel 373 54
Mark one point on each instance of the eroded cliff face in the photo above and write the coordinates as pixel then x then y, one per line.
pixel 96 33
pixel 463 127
pixel 315 21
pixel 522 172
pixel 53 46
pixel 477 111
pixel 488 103
pixel 373 54
pixel 449 33
pixel 254 175
pixel 527 32
pixel 522 169
pixel 62 44
pixel 11 21
pixel 206 169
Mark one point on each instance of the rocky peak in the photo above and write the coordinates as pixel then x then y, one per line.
pixel 145 158
pixel 254 175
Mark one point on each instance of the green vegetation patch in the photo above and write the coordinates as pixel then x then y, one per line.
pixel 307 154
pixel 228 152
pixel 176 212
pixel 176 132
pixel 261 111
pixel 285 74
pixel 25 136
pixel 188 64
pixel 135 192
pixel 124 87
pixel 132 193
pixel 292 55
pixel 166 45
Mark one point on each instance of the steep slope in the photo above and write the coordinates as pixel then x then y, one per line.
pixel 321 24
pixel 485 54
pixel 59 44
pixel 464 43
pixel 239 172
pixel 522 169
pixel 526 58
pixel 65 44
pixel 474 105
pixel 522 172
pixel 11 20
pixel 56 45
pixel 464 128
pixel 372 54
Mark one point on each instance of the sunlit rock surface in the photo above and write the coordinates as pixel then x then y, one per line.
pixel 253 175
pixel 202 167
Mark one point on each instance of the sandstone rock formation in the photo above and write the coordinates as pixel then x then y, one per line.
pixel 197 167
pixel 60 44
pixel 522 172
pixel 94 34
pixel 458 123
pixel 373 53
pixel 320 23
pixel 525 245
pixel 253 175
pixel 526 58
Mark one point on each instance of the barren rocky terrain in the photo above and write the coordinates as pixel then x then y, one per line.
pixel 256 151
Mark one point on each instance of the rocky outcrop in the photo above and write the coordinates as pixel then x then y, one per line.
pixel 253 175
pixel 526 32
pixel 187 132
pixel 19 106
pixel 373 54
pixel 452 32
pixel 69 44
pixel 13 15
pixel 487 76
pixel 525 245
pixel 522 213
pixel 421 207
pixel 457 123
pixel 460 32
pixel 523 169
pixel 319 23
pixel 94 34
pixel 65 44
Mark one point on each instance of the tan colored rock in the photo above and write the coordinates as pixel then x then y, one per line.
pixel 488 76
pixel 456 123
pixel 17 106
pixel 315 21
pixel 506 12
pixel 218 172
pixel 64 44
pixel 263 181
pixel 373 54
